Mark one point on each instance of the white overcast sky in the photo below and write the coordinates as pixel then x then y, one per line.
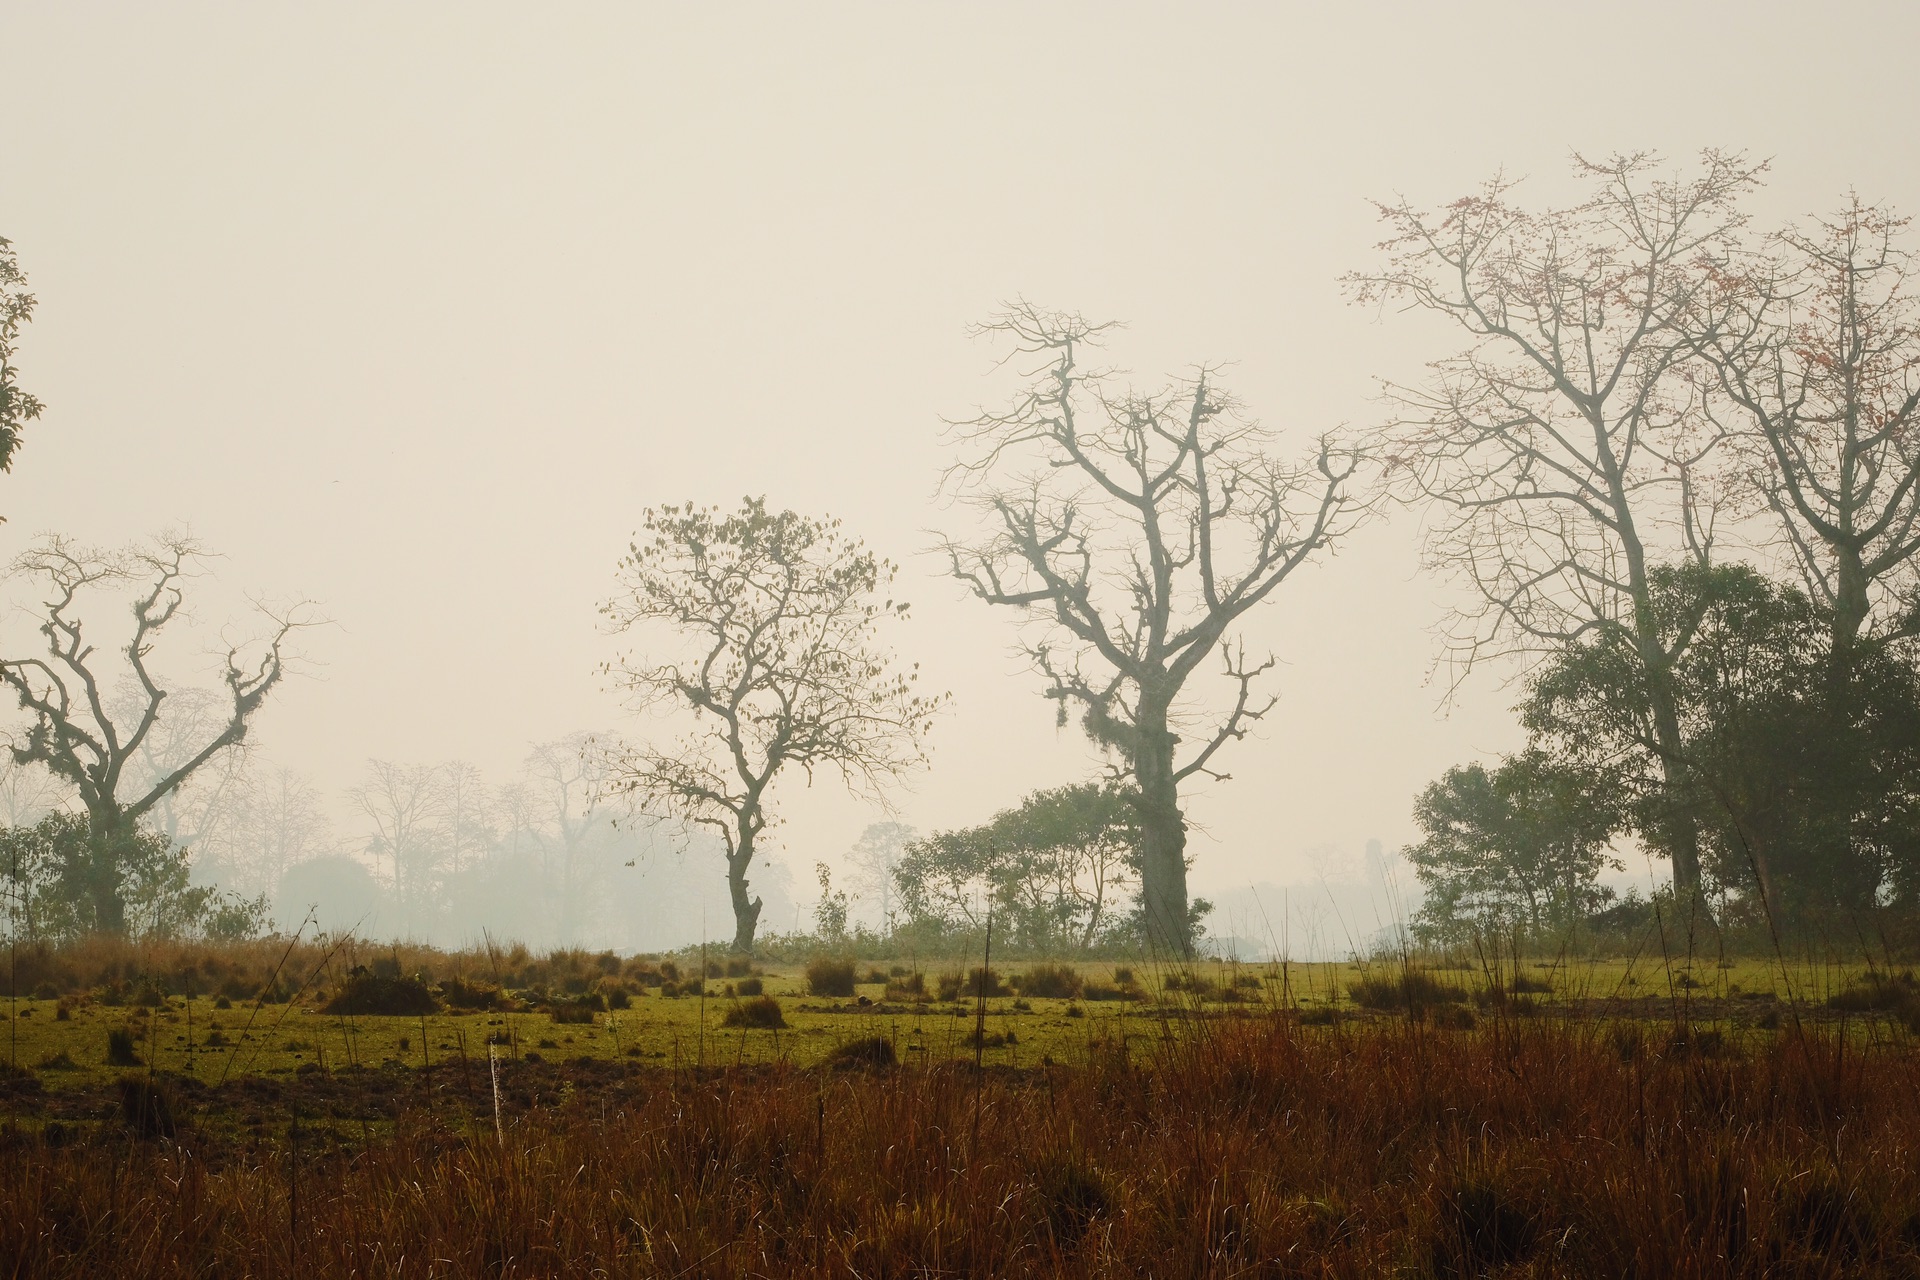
pixel 413 308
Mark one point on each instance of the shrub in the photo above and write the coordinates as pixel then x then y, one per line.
pixel 120 1048
pixel 1074 1196
pixel 146 1107
pixel 473 995
pixel 1050 982
pixel 907 986
pixel 378 995
pixel 618 998
pixel 868 1051
pixel 760 1011
pixel 828 977
pixel 1878 992
pixel 978 982
pixel 739 967
pixel 750 986
pixel 1412 990
pixel 875 976
pixel 1122 976
pixel 578 1010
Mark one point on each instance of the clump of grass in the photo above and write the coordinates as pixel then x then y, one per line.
pixel 868 1051
pixel 580 1010
pixel 120 1051
pixel 372 994
pixel 750 986
pixel 61 1061
pixel 1050 982
pixel 147 1107
pixel 1878 993
pixel 473 996
pixel 827 976
pixel 1412 990
pixel 760 1011
pixel 977 982
pixel 907 986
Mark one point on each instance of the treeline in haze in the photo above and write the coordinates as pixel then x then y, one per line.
pixel 1667 459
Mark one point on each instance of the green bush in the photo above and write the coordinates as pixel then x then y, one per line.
pixel 1412 990
pixel 829 977
pixel 761 1011
pixel 1050 982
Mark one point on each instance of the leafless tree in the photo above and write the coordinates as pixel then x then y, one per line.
pixel 875 857
pixel 778 616
pixel 569 779
pixel 63 691
pixel 1134 530
pixel 1562 456
pixel 466 808
pixel 17 408
pixel 406 803
pixel 28 793
pixel 1818 366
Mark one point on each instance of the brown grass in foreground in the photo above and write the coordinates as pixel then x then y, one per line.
pixel 1251 1146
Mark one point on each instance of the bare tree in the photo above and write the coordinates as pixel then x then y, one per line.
pixel 779 617
pixel 17 408
pixel 569 777
pixel 406 804
pixel 1819 365
pixel 1135 529
pixel 875 857
pixel 72 732
pixel 466 806
pixel 1563 456
pixel 28 793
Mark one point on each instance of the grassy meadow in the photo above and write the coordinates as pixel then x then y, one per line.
pixel 604 1115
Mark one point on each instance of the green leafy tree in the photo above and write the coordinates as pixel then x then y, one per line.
pixel 49 871
pixel 1060 869
pixel 1523 843
pixel 1800 776
pixel 17 407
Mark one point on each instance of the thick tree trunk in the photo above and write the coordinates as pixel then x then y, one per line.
pixel 1163 845
pixel 746 909
pixel 107 833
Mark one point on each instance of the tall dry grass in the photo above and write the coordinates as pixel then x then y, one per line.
pixel 1241 1146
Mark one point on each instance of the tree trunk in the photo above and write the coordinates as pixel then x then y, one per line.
pixel 1163 844
pixel 746 910
pixel 106 839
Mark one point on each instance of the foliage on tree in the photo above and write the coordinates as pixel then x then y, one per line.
pixel 1134 530
pixel 777 618
pixel 65 694
pixel 49 889
pixel 1061 870
pixel 1519 846
pixel 17 407
pixel 1803 779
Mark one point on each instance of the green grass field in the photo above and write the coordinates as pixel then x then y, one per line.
pixel 65 1042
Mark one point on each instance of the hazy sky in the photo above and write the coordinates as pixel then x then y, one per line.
pixel 412 309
